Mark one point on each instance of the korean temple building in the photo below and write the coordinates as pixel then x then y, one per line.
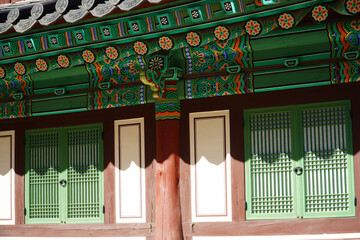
pixel 180 119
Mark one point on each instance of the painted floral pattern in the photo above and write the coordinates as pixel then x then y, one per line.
pixel 41 65
pixel 140 48
pixel 356 24
pixel 131 65
pixel 88 56
pixel 2 72
pixel 165 43
pixel 253 27
pixel 221 33
pixel 319 13
pixel 112 53
pixel 199 58
pixel 193 39
pixel 63 61
pixel 19 68
pixel 157 63
pixel 353 6
pixel 286 21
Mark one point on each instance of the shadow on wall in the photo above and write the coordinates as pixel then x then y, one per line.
pixel 5 155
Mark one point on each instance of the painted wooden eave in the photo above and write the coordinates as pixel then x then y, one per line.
pixel 23 16
pixel 154 30
pixel 314 43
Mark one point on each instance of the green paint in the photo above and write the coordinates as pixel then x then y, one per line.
pixel 304 43
pixel 60 77
pixel 79 36
pixel 60 112
pixel 293 86
pixel 181 89
pixel 29 45
pixel 54 40
pixel 158 29
pixel 281 61
pixel 58 104
pixel 290 45
pixel 288 78
pixel 106 32
pixel 149 95
pixel 137 26
pixel 56 154
pixel 67 88
pixel 196 14
pixel 6 48
pixel 312 137
pixel 176 59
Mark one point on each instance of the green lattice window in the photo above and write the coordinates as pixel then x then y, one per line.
pixel 64 175
pixel 299 162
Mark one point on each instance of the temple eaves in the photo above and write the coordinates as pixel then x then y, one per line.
pixel 170 26
pixel 22 16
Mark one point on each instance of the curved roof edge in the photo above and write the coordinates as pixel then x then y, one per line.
pixel 22 16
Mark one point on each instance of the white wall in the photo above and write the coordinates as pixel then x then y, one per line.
pixel 7 175
pixel 130 171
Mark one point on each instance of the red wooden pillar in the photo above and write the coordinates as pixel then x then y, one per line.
pixel 168 212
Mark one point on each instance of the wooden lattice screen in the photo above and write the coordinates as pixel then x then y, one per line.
pixel 64 181
pixel 299 162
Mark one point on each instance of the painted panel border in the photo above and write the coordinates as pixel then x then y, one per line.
pixel 118 174
pixel 11 136
pixel 286 237
pixel 227 217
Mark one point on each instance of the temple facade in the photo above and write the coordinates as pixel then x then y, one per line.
pixel 180 119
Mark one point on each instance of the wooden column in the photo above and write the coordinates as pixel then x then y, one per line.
pixel 168 212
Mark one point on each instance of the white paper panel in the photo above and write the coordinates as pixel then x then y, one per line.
pixel 210 173
pixel 211 188
pixel 130 175
pixel 130 172
pixel 341 236
pixel 7 178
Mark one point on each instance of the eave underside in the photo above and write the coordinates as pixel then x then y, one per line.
pixel 262 48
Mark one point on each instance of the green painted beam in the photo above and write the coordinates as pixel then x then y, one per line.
pixel 181 89
pixel 290 45
pixel 58 104
pixel 281 61
pixel 67 88
pixel 60 77
pixel 302 76
pixel 264 11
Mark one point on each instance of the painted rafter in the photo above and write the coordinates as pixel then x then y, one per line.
pixel 253 27
pixel 121 30
pixel 138 54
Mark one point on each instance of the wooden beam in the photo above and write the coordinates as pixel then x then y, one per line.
pixel 168 212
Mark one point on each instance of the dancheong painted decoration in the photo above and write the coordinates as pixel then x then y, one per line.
pixel 218 48
pixel 180 119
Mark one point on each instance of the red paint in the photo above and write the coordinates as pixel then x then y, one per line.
pixel 168 212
